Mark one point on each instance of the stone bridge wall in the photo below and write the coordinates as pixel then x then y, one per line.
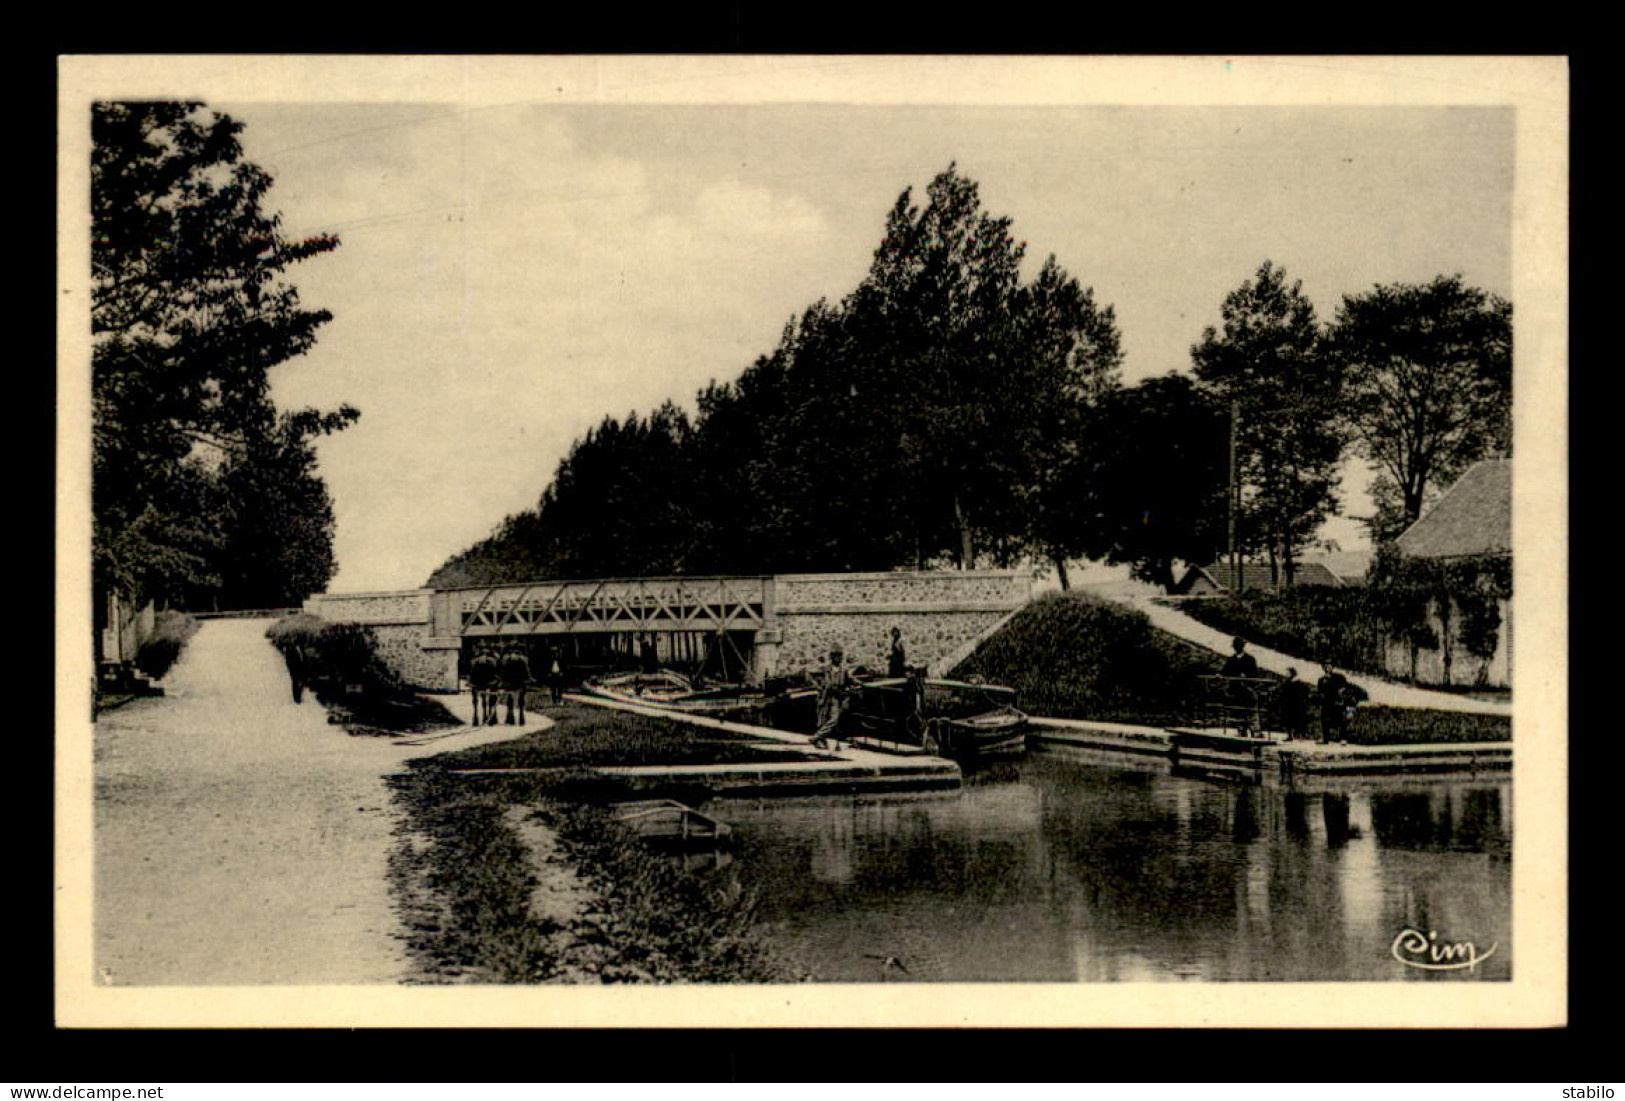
pixel 942 615
pixel 402 625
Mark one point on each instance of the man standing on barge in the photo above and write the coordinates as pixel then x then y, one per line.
pixel 834 691
pixel 896 659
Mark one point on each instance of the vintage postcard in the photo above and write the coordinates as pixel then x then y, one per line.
pixel 841 541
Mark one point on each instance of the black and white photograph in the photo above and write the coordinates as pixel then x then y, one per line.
pixel 854 540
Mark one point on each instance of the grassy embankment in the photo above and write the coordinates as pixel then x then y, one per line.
pixel 583 737
pixel 1071 655
pixel 468 877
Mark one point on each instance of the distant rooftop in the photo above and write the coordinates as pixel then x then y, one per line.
pixel 1349 566
pixel 1473 517
pixel 1256 575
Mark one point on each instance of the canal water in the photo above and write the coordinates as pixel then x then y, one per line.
pixel 1077 865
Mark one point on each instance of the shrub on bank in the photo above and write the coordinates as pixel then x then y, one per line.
pixel 170 632
pixel 341 665
pixel 1313 623
pixel 1419 726
pixel 1073 655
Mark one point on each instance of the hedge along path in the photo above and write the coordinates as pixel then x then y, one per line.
pixel 1380 692
pixel 240 837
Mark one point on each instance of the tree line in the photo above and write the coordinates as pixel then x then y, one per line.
pixel 205 495
pixel 949 413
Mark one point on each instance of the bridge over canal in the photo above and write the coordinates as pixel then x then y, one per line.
pixel 760 626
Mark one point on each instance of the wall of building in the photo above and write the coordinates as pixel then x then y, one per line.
pixel 128 627
pixel 1429 665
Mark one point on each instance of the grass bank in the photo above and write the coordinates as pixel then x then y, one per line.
pixel 467 879
pixel 588 737
pixel 1417 726
pixel 1075 656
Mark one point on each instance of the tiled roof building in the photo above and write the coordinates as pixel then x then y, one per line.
pixel 1473 517
pixel 1254 576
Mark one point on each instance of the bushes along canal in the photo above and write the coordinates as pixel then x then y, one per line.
pixel 341 665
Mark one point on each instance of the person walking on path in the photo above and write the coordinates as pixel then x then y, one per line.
pixel 896 658
pixel 299 664
pixel 834 690
pixel 482 681
pixel 1293 700
pixel 515 680
pixel 555 678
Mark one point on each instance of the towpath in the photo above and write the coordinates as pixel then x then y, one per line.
pixel 240 838
pixel 1380 692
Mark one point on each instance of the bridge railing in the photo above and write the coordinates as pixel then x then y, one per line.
pixel 629 604
pixel 1240 704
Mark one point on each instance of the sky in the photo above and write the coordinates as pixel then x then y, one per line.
pixel 511 273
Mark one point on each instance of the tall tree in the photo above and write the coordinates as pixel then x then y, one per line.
pixel 1269 365
pixel 1150 488
pixel 189 314
pixel 278 539
pixel 934 313
pixel 1429 385
pixel 985 376
pixel 920 420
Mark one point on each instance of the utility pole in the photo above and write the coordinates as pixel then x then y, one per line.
pixel 1235 498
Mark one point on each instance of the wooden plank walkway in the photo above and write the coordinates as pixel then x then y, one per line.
pixel 834 770
pixel 1291 758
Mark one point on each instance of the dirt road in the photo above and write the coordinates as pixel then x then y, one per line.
pixel 240 838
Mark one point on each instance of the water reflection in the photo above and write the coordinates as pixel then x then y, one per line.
pixel 1073 866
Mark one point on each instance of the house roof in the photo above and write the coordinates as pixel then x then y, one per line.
pixel 1256 575
pixel 1349 566
pixel 1473 517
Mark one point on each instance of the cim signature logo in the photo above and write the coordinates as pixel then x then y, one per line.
pixel 1426 951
